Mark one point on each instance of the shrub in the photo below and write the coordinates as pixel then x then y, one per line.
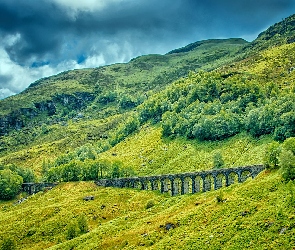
pixel 287 159
pixel 8 244
pixel 220 197
pixel 10 184
pixel 115 172
pixel 82 223
pixel 218 161
pixel 107 97
pixel 287 164
pixel 127 102
pixel 150 204
pixel 26 173
pixel 217 127
pixel 271 156
pixel 290 189
pixel 72 230
pixel 128 127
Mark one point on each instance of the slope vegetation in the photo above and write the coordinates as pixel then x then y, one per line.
pixel 158 114
pixel 258 214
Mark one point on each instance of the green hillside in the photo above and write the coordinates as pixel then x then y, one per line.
pixel 258 214
pixel 211 104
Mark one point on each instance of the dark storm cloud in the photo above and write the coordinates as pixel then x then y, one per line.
pixel 4 80
pixel 44 30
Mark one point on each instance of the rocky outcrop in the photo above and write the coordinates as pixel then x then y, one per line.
pixel 24 116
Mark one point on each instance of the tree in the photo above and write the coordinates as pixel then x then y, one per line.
pixel 10 184
pixel 287 164
pixel 127 102
pixel 287 159
pixel 218 161
pixel 271 156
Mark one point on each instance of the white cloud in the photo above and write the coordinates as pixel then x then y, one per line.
pixel 15 78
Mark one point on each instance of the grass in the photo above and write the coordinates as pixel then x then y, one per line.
pixel 150 154
pixel 254 215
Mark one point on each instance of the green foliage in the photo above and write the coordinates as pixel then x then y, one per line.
pixel 72 230
pixel 8 244
pixel 220 197
pixel 89 169
pixel 287 164
pixel 291 189
pixel 127 128
pixel 107 97
pixel 217 127
pixel 271 157
pixel 27 174
pixel 127 102
pixel 287 159
pixel 82 223
pixel 116 169
pixel 10 184
pixel 150 204
pixel 218 161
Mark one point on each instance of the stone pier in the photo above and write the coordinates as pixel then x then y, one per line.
pixel 185 183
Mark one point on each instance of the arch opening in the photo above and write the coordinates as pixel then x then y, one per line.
pixel 187 185
pixel 220 181
pixel 233 178
pixel 198 187
pixel 208 183
pixel 245 175
pixel 177 186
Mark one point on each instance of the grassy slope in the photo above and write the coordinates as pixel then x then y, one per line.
pixel 149 154
pixel 252 216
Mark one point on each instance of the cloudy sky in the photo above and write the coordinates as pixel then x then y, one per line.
pixel 43 37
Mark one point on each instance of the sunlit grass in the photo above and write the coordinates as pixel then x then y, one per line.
pixel 252 215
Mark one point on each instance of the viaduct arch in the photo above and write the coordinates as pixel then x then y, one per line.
pixel 186 182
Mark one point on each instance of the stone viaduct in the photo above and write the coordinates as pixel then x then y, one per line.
pixel 185 183
pixel 32 188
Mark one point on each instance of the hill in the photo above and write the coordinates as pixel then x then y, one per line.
pixel 217 99
pixel 258 214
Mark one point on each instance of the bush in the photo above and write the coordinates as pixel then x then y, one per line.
pixel 217 127
pixel 150 204
pixel 287 164
pixel 271 156
pixel 290 188
pixel 220 197
pixel 287 159
pixel 26 173
pixel 127 102
pixel 8 244
pixel 218 161
pixel 10 184
pixel 82 223
pixel 72 230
